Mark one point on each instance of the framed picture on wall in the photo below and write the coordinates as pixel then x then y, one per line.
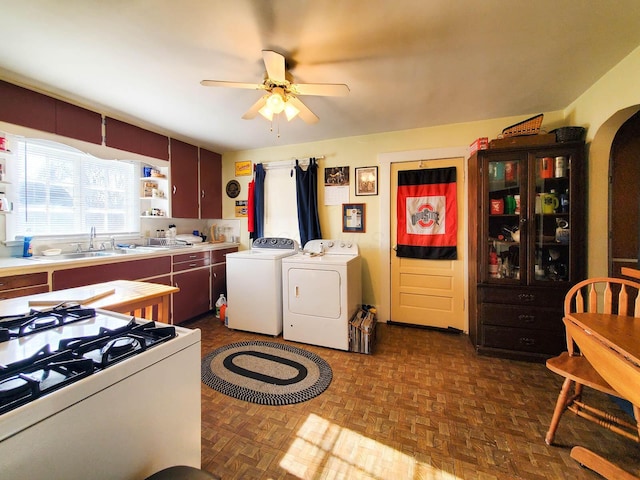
pixel 367 181
pixel 353 219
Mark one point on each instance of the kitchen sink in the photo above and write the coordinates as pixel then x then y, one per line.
pixel 77 255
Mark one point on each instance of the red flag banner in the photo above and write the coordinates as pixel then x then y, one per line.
pixel 427 214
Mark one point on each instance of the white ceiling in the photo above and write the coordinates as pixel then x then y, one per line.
pixel 408 63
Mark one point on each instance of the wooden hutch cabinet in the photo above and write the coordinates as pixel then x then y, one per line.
pixel 527 246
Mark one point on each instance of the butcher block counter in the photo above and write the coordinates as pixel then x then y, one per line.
pixel 146 300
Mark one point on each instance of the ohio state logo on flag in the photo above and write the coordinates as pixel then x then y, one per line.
pixel 427 214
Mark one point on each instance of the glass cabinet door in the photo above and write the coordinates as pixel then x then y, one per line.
pixel 506 207
pixel 552 223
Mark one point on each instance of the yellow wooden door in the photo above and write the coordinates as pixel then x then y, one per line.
pixel 429 292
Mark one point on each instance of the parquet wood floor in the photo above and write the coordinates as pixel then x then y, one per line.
pixel 423 406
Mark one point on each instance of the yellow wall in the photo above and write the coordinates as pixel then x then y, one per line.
pixel 603 108
pixel 359 152
pixel 616 91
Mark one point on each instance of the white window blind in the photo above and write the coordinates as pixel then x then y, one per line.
pixel 58 190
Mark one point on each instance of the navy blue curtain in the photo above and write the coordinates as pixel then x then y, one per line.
pixel 258 216
pixel 307 198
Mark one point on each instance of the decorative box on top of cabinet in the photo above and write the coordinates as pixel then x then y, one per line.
pixel 527 246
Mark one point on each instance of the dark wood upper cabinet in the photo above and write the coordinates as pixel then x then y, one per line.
pixel 25 107
pixel 77 122
pixel 124 136
pixel 184 180
pixel 210 184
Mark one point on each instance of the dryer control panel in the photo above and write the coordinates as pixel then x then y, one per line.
pixel 333 247
pixel 275 243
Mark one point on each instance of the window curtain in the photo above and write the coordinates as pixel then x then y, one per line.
pixel 307 199
pixel 258 202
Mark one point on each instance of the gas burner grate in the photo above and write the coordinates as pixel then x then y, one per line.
pixel 44 372
pixel 17 326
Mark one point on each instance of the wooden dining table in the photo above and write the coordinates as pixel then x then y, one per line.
pixel 611 343
pixel 150 301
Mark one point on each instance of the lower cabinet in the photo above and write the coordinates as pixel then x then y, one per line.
pixel 13 286
pixel 219 273
pixel 126 270
pixel 520 323
pixel 191 274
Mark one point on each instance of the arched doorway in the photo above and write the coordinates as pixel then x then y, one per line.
pixel 624 197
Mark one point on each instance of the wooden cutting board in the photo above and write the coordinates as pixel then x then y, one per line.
pixel 91 296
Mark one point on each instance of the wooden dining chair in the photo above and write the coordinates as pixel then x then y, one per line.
pixel 596 295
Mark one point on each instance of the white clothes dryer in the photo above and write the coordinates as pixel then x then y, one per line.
pixel 322 290
pixel 254 285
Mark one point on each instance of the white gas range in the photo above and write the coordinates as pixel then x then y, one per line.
pixel 95 394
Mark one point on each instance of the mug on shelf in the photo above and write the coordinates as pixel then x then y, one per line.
pixel 497 206
pixel 547 167
pixel 549 202
pixel 509 204
pixel 562 231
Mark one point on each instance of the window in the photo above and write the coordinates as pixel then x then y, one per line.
pixel 58 190
pixel 280 207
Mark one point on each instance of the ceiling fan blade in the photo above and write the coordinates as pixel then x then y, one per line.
pixel 254 110
pixel 322 89
pixel 220 83
pixel 305 114
pixel 274 62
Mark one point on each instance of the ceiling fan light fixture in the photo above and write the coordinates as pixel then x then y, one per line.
pixel 290 111
pixel 266 112
pixel 276 100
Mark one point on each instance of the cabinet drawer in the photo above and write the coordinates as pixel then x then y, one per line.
pixel 523 340
pixel 190 257
pixel 549 297
pixel 219 256
pixel 521 317
pixel 197 263
pixel 26 280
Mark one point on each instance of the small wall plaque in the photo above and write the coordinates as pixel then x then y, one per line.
pixel 233 188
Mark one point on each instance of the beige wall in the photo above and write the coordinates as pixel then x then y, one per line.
pixel 359 152
pixel 616 91
pixel 603 108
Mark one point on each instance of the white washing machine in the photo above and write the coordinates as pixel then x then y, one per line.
pixel 254 285
pixel 322 290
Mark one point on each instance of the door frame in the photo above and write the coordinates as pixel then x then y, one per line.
pixel 384 188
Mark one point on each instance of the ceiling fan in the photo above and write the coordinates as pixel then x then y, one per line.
pixel 282 94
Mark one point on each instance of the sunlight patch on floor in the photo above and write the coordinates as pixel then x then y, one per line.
pixel 322 449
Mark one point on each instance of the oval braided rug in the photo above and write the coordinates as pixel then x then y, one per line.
pixel 267 373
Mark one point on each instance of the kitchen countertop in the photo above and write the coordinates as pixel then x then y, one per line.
pixel 122 296
pixel 21 265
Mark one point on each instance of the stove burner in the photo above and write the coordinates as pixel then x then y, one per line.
pixel 120 345
pixel 15 387
pixel 15 326
pixel 74 358
pixel 42 323
pixel 44 372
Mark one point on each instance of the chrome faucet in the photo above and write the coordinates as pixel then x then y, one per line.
pixel 92 237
